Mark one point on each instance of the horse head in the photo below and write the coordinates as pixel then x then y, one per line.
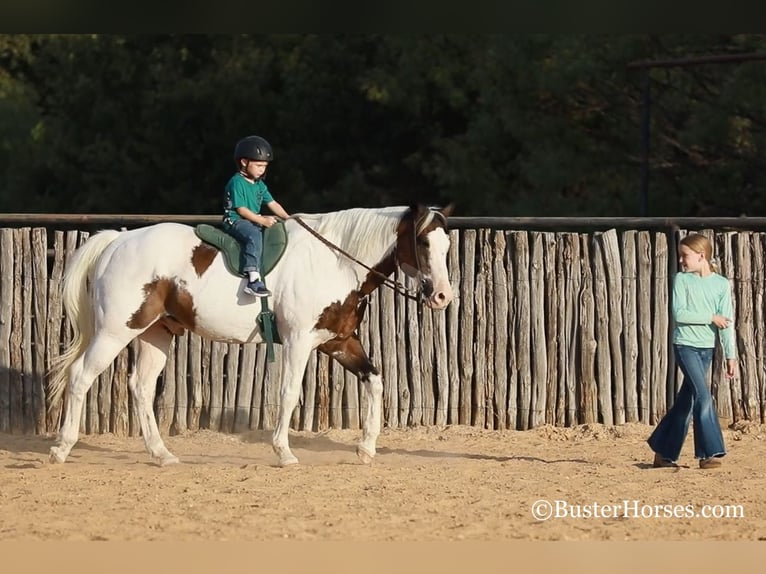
pixel 421 252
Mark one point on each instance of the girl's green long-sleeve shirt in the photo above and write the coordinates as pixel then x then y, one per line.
pixel 695 300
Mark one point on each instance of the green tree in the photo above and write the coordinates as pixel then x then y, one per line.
pixel 503 124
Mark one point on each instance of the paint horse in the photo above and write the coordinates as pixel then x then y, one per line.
pixel 153 282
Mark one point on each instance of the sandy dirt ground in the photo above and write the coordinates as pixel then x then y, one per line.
pixel 455 483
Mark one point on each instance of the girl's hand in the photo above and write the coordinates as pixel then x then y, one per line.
pixel 721 322
pixel 731 367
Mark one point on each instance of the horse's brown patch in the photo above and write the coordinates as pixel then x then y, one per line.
pixel 404 250
pixel 171 325
pixel 374 280
pixel 202 258
pixel 164 296
pixel 342 318
pixel 349 353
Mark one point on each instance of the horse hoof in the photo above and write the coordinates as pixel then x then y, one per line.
pixel 56 456
pixel 168 460
pixel 288 461
pixel 364 455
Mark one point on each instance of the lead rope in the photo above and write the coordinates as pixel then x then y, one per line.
pixel 393 284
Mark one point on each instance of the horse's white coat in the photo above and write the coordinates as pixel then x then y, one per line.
pixel 308 278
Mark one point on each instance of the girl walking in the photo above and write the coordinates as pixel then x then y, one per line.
pixel 702 308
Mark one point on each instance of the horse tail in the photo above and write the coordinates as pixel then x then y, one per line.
pixel 78 308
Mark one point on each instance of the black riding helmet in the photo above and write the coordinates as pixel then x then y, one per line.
pixel 254 148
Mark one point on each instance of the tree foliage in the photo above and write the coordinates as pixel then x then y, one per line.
pixel 502 124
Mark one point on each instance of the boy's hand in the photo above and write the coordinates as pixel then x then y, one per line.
pixel 731 367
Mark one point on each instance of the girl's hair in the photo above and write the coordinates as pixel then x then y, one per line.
pixel 701 244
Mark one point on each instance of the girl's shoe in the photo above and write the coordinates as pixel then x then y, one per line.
pixel 711 462
pixel 660 462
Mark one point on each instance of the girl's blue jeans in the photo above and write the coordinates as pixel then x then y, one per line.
pixel 693 402
pixel 250 237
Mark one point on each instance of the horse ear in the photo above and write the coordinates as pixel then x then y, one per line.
pixel 418 210
pixel 447 211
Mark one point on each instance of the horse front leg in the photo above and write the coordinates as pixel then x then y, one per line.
pixel 294 358
pixel 349 353
pixel 373 385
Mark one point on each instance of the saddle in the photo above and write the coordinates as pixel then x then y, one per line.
pixel 274 244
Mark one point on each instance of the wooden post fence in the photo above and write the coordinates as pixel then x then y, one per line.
pixel 559 327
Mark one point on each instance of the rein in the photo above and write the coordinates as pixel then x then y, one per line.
pixel 395 285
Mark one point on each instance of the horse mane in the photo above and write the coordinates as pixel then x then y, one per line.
pixel 361 232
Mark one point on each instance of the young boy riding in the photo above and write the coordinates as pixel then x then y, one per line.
pixel 244 195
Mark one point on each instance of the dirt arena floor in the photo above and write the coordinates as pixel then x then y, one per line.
pixel 458 483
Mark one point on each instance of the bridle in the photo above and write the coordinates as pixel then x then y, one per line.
pixel 417 228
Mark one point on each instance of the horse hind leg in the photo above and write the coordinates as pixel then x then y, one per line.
pixel 99 354
pixel 151 357
pixel 350 353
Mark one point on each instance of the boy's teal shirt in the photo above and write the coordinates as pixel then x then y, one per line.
pixel 239 192
pixel 695 300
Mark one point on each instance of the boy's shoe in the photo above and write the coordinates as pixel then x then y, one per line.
pixel 257 288
pixel 711 462
pixel 660 462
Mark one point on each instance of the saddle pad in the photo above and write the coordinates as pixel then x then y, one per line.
pixel 274 244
